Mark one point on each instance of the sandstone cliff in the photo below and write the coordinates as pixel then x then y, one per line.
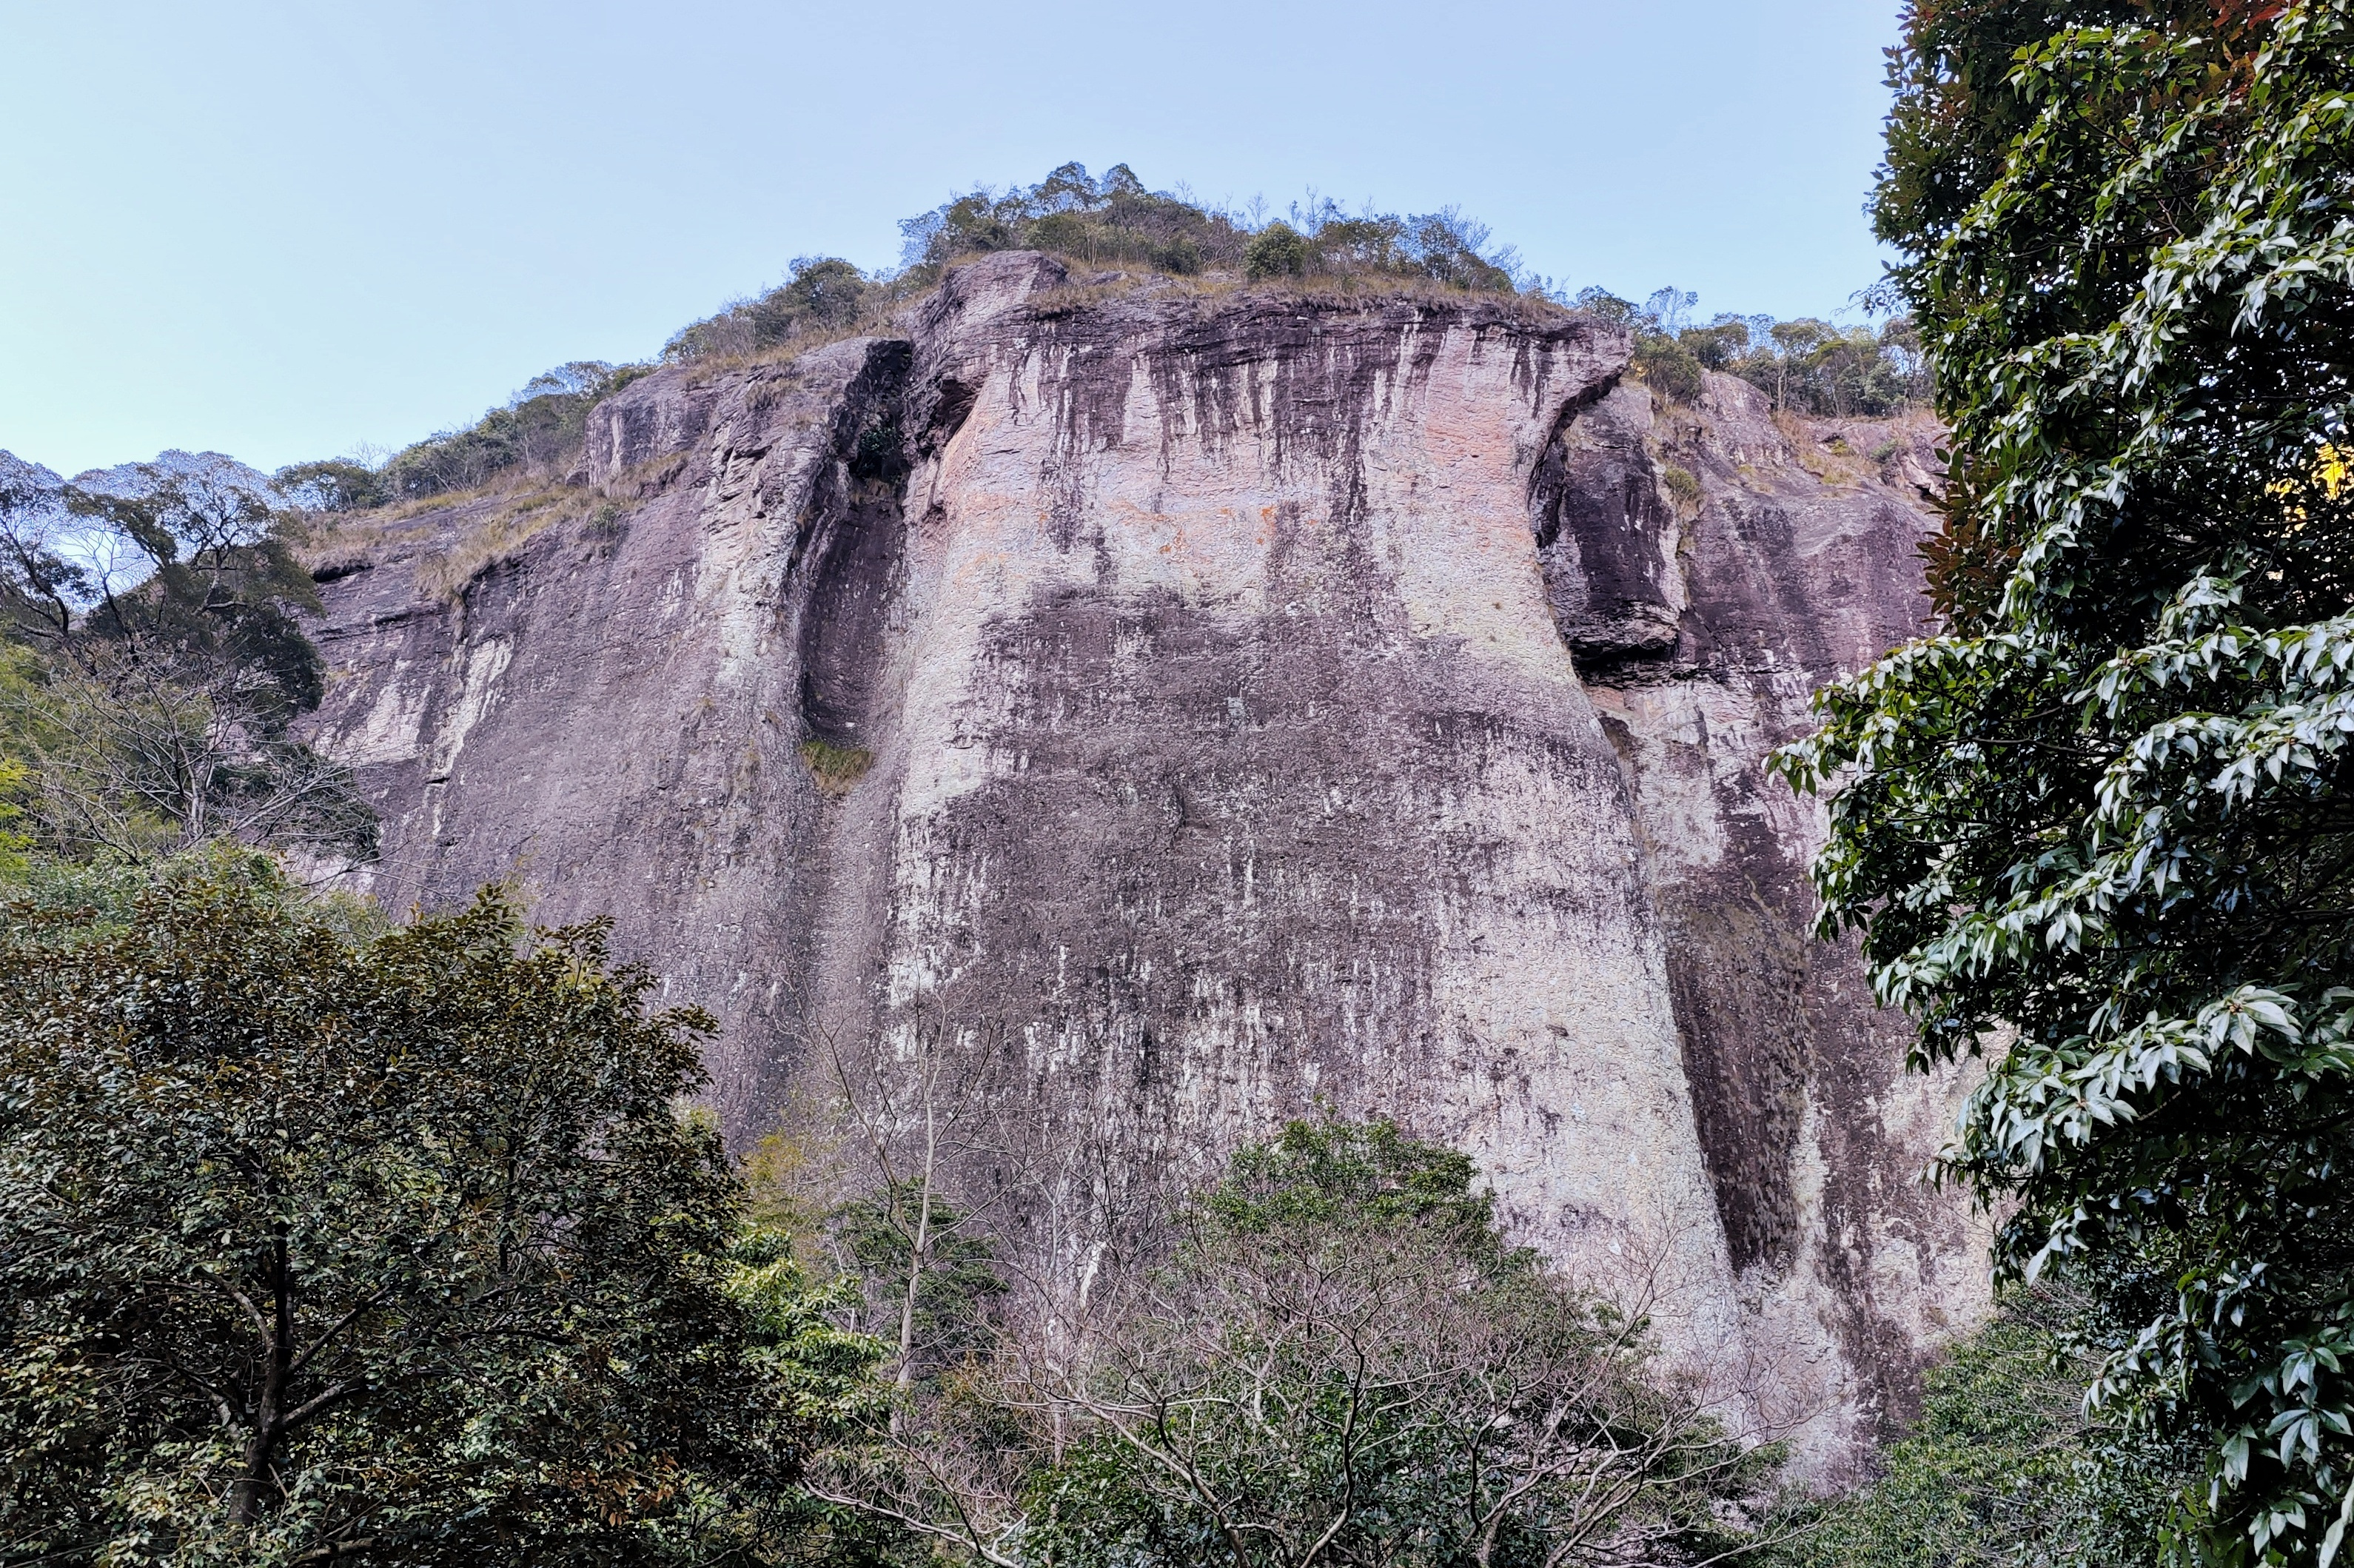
pixel 1197 707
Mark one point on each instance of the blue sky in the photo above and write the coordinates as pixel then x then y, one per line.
pixel 279 231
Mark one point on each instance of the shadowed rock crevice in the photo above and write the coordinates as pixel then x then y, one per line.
pixel 1607 537
pixel 856 538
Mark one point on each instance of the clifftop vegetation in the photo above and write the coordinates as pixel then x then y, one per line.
pixel 1113 225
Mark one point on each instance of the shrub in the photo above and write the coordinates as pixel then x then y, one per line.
pixel 1684 485
pixel 835 768
pixel 1278 251
pixel 1667 367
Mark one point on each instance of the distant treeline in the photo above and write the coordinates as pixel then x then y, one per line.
pixel 1806 365
pixel 1113 221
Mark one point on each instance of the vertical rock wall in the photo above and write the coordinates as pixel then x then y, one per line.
pixel 1198 709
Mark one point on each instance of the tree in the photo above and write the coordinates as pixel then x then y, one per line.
pixel 166 666
pixel 537 434
pixel 911 1114
pixel 331 486
pixel 387 1247
pixel 1342 1364
pixel 1278 251
pixel 2100 829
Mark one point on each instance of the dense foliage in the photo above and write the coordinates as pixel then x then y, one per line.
pixel 1115 219
pixel 152 665
pixel 1344 1365
pixel 387 1247
pixel 926 1274
pixel 1110 221
pixel 2100 829
pixel 2005 1468
pixel 823 294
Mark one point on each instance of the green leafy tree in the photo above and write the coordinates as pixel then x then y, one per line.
pixel 2100 829
pixel 823 294
pixel 378 1247
pixel 1115 219
pixel 158 666
pixel 331 486
pixel 1110 219
pixel 930 1271
pixel 1806 365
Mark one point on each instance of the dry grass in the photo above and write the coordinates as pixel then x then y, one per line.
pixel 1822 451
pixel 710 368
pixel 505 519
pixel 445 574
pixel 641 480
pixel 341 534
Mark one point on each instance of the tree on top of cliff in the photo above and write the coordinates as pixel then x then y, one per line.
pixel 2108 812
pixel 1110 221
pixel 1114 221
pixel 538 432
pixel 152 663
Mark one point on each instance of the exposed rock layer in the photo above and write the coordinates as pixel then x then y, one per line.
pixel 1193 709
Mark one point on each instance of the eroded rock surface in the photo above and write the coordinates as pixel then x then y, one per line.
pixel 1196 709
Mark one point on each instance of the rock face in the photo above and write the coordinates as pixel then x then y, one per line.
pixel 1181 711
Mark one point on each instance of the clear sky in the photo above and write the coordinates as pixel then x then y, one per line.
pixel 279 231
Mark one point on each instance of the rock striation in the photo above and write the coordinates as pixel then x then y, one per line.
pixel 1187 709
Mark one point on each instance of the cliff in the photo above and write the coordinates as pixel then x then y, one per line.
pixel 1196 707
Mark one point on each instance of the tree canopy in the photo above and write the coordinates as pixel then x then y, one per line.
pixel 2100 829
pixel 319 1242
pixel 152 664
